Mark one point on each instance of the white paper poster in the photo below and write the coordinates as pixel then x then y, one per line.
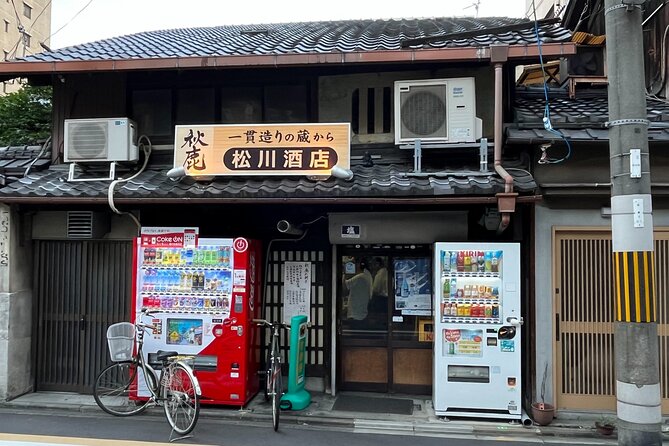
pixel 296 290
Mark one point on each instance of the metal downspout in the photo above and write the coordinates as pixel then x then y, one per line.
pixel 506 202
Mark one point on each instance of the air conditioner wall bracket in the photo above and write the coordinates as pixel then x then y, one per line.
pixel 110 177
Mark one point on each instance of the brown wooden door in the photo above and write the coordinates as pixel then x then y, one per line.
pixel 380 349
pixel 584 318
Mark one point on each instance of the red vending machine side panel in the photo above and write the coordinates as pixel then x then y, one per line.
pixel 235 381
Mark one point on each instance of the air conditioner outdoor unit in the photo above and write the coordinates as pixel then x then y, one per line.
pixel 436 111
pixel 101 140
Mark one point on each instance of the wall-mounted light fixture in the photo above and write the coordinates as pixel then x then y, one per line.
pixel 176 172
pixel 340 172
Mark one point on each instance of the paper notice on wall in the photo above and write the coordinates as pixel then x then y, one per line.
pixel 296 290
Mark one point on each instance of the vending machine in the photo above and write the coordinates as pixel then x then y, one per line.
pixel 477 350
pixel 202 295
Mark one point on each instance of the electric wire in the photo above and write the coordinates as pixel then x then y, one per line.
pixel 21 29
pixel 547 112
pixel 70 21
pixel 45 146
pixel 39 15
pixel 110 192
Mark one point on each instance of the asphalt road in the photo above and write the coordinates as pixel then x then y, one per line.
pixel 93 429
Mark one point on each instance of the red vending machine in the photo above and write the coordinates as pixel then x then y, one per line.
pixel 203 294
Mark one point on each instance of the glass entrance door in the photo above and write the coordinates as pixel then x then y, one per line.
pixel 384 321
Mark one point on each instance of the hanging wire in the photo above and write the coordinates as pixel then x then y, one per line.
pixel 147 148
pixel 39 15
pixel 545 159
pixel 70 21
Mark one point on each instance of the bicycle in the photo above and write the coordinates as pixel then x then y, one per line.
pixel 273 378
pixel 176 388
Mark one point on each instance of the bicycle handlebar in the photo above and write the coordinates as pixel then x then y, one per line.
pixel 265 322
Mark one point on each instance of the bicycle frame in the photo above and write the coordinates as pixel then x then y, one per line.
pixel 157 394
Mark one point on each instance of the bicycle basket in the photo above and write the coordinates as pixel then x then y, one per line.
pixel 121 339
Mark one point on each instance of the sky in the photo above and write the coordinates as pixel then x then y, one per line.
pixel 90 20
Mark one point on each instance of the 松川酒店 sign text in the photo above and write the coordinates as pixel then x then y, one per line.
pixel 262 149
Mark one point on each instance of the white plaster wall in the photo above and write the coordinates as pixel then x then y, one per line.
pixel 545 219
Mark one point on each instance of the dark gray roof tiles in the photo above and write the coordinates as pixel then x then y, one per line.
pixel 587 109
pixel 15 160
pixel 301 38
pixel 389 181
pixel 582 118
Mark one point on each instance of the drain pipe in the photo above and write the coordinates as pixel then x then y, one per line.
pixel 506 201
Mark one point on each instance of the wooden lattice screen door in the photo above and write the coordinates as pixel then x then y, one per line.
pixel 584 318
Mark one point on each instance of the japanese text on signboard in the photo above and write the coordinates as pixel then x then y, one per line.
pixel 306 149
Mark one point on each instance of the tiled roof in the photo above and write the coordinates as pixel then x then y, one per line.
pixel 301 38
pixel 379 181
pixel 15 160
pixel 581 118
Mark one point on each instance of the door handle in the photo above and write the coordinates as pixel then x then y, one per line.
pixel 557 327
pixel 82 323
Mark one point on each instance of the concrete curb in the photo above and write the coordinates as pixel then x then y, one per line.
pixel 321 415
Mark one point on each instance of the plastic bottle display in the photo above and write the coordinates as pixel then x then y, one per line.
pixel 471 281
pixel 186 279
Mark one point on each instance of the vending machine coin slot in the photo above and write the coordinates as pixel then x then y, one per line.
pixel 506 332
pixel 239 303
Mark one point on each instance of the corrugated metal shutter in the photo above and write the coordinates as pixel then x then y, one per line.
pixel 584 347
pixel 81 287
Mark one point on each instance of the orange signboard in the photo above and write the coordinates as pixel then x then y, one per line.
pixel 262 149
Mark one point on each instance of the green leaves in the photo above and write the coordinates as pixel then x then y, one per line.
pixel 25 116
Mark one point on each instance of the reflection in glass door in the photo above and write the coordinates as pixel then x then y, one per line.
pixel 384 321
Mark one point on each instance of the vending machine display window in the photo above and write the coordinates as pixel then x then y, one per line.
pixel 184 331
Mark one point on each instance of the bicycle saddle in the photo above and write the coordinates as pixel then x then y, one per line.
pixel 162 355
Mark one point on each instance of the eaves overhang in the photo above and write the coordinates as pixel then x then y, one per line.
pixel 294 201
pixel 406 56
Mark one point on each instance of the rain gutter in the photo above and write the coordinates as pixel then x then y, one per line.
pixel 286 60
pixel 214 200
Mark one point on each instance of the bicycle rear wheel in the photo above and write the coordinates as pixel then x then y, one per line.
pixel 114 387
pixel 182 403
pixel 276 392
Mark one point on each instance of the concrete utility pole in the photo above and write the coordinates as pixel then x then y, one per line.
pixel 636 342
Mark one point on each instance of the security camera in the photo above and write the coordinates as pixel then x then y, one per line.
pixel 286 227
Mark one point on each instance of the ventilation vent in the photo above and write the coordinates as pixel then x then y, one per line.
pixel 88 140
pixel 424 112
pixel 80 224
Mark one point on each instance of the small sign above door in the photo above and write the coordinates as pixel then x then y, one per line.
pixel 350 231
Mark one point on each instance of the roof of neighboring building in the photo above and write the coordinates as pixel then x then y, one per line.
pixel 380 183
pixel 330 42
pixel 582 118
pixel 15 161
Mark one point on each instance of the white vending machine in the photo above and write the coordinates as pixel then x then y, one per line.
pixel 477 330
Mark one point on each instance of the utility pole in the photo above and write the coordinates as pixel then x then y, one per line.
pixel 636 342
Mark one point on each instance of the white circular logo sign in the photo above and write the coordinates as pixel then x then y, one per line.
pixel 240 244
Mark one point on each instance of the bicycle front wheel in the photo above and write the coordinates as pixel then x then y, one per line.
pixel 182 403
pixel 114 387
pixel 276 392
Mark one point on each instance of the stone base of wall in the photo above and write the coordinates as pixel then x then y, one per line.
pixel 16 376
